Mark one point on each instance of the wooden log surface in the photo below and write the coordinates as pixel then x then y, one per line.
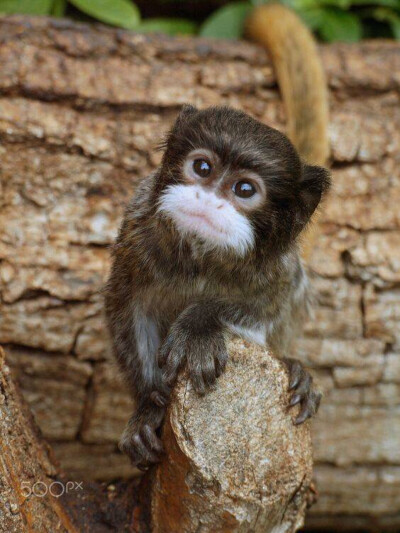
pixel 81 110
pixel 24 466
pixel 35 496
pixel 235 461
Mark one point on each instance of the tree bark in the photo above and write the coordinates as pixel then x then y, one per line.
pixel 35 496
pixel 25 468
pixel 235 461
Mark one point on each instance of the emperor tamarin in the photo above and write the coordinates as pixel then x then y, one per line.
pixel 207 249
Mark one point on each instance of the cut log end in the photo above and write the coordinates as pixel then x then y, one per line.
pixel 235 461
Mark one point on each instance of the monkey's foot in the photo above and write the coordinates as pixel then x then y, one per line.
pixel 140 440
pixel 300 382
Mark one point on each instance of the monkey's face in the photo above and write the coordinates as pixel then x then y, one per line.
pixel 233 183
pixel 214 202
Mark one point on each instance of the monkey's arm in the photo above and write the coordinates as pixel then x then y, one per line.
pixel 198 338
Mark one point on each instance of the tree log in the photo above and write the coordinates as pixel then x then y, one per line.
pixel 235 460
pixel 24 464
pixel 35 495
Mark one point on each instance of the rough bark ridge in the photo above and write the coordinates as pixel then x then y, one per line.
pixel 81 109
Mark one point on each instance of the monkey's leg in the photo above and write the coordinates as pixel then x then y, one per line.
pixel 301 383
pixel 140 439
pixel 136 341
pixel 287 326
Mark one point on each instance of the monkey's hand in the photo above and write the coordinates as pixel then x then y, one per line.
pixel 300 382
pixel 204 352
pixel 140 440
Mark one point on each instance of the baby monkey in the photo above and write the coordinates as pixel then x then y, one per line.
pixel 208 249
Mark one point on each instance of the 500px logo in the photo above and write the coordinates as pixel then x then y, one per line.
pixel 40 489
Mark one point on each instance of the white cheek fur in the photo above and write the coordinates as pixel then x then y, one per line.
pixel 199 212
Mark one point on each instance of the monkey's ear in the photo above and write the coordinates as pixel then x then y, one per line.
pixel 187 111
pixel 314 184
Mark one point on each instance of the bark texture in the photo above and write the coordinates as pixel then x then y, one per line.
pixel 35 495
pixel 24 461
pixel 235 461
pixel 81 110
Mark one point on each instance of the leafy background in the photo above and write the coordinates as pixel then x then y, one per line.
pixel 330 20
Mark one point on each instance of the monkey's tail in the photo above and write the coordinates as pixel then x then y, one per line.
pixel 301 80
pixel 300 77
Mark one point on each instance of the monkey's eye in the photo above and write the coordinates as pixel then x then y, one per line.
pixel 244 189
pixel 202 167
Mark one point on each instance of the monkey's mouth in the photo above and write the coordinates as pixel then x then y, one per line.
pixel 202 218
pixel 217 224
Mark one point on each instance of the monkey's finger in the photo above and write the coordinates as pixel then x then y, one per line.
pixel 296 398
pixel 309 407
pixel 304 386
pixel 220 363
pixel 197 379
pixel 151 440
pixel 208 371
pixel 161 394
pixel 303 416
pixel 163 353
pixel 171 369
pixel 296 371
pixel 143 452
pixel 158 398
pixel 135 455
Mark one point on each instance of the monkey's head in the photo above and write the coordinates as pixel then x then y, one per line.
pixel 233 183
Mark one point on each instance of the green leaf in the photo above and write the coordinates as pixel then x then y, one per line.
pixel 384 14
pixel 313 18
pixel 122 13
pixel 170 26
pixel 341 4
pixel 338 25
pixel 26 7
pixel 289 3
pixel 227 22
pixel 387 3
pixel 59 7
pixel 395 27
